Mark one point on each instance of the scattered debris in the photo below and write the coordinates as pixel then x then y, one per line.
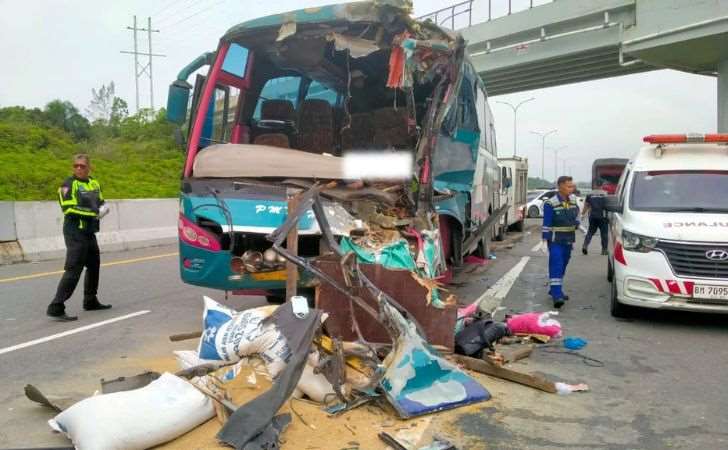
pixel 56 403
pixel 255 417
pixel 478 336
pixel 514 353
pixel 391 441
pixel 488 368
pixel 566 389
pixel 128 383
pixel 535 323
pixel 574 343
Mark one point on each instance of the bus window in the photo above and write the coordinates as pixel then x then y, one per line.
pixel 482 109
pixel 492 148
pixel 317 90
pixel 236 60
pixel 220 116
pixel 281 88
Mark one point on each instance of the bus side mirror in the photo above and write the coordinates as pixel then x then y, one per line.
pixel 612 204
pixel 177 100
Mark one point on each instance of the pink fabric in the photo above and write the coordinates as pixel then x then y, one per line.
pixel 446 277
pixel 467 311
pixel 472 259
pixel 535 323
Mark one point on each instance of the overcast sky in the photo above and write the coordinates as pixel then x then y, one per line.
pixel 53 49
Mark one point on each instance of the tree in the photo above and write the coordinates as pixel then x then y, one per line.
pixel 102 103
pixel 63 115
pixel 119 112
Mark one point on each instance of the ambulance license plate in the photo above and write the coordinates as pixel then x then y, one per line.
pixel 710 292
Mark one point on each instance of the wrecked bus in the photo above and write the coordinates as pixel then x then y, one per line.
pixel 282 103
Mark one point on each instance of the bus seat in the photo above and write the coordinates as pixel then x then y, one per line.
pixel 273 140
pixel 391 128
pixel 360 133
pixel 316 126
pixel 278 110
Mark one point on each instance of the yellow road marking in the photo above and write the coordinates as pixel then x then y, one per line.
pixel 112 263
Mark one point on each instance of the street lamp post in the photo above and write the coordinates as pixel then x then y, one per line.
pixel 515 113
pixel 543 147
pixel 556 161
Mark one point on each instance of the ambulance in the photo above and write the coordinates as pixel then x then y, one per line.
pixel 669 226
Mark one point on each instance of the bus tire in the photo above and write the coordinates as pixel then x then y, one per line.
pixel 502 229
pixel 456 244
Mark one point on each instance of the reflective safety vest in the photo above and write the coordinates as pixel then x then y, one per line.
pixel 80 201
pixel 560 219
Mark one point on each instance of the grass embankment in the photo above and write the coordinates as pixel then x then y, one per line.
pixel 137 159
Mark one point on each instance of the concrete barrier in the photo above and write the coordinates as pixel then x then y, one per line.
pixel 131 224
pixel 7 222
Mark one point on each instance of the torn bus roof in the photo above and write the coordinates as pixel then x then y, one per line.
pixel 367 11
pixel 394 15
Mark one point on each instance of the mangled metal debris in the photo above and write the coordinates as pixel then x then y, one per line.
pixel 414 378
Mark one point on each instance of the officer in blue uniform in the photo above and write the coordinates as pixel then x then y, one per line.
pixel 560 221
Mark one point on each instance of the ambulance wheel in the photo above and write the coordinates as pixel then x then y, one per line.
pixel 617 309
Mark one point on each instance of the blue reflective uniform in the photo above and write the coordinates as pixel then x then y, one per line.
pixel 560 221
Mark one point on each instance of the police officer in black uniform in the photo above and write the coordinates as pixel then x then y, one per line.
pixel 598 220
pixel 82 203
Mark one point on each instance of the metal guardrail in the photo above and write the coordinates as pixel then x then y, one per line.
pixel 449 14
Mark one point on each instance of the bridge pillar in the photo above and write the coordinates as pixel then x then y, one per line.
pixel 723 96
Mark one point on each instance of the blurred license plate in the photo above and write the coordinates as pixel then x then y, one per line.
pixel 278 275
pixel 711 292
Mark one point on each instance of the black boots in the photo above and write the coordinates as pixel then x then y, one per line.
pixel 92 304
pixel 58 312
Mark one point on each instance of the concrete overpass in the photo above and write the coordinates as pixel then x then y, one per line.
pixel 568 41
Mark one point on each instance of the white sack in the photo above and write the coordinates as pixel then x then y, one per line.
pixel 230 335
pixel 159 412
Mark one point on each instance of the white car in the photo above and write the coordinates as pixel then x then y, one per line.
pixel 669 226
pixel 536 199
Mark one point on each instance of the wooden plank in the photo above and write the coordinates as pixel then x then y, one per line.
pixel 515 352
pixel 185 336
pixel 488 368
pixel 292 247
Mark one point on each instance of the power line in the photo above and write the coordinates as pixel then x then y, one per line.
pixel 163 8
pixel 196 14
pixel 180 7
pixel 140 70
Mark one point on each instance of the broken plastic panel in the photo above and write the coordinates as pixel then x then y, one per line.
pixel 419 381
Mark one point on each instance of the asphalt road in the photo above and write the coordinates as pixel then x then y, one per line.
pixel 662 383
pixel 143 280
